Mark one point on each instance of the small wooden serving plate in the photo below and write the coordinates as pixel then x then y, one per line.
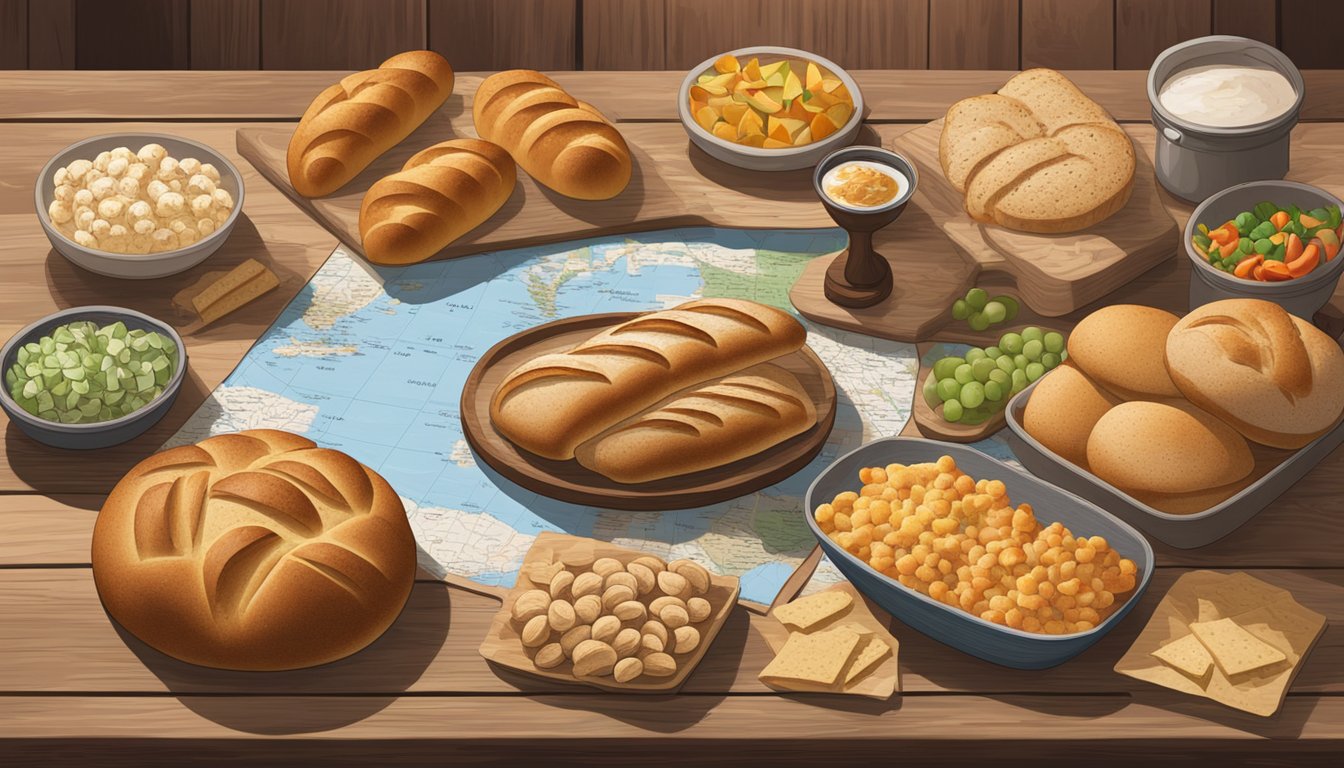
pixel 568 481
pixel 503 645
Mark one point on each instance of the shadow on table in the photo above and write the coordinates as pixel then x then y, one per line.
pixel 328 696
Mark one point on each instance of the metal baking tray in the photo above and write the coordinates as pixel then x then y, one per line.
pixel 1183 531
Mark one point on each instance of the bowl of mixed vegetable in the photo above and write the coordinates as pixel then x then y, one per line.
pixel 1272 240
pixel 91 377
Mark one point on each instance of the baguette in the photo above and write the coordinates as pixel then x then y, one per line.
pixel 561 142
pixel 708 426
pixel 354 121
pixel 551 404
pixel 441 193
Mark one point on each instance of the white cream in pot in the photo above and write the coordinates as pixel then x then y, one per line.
pixel 1227 96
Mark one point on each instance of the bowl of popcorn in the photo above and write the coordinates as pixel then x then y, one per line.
pixel 138 205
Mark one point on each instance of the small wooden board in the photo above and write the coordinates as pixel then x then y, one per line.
pixel 503 645
pixel 568 481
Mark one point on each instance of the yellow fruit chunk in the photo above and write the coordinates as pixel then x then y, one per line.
pixel 804 137
pixel 698 93
pixel 750 123
pixel 752 71
pixel 770 70
pixel 821 127
pixel 840 113
pixel 793 87
pixel 707 117
pixel 733 111
pixel 762 101
pixel 719 102
pixel 776 144
pixel 727 63
pixel 753 140
pixel 779 133
pixel 724 131
pixel 813 76
pixel 830 84
pixel 796 111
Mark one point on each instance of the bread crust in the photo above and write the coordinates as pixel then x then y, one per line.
pixel 1166 448
pixel 253 551
pixel 1063 409
pixel 1121 348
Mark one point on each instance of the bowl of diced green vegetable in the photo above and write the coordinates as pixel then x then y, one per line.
pixel 91 377
pixel 1273 240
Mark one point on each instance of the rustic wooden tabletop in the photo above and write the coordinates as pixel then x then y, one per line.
pixel 73 685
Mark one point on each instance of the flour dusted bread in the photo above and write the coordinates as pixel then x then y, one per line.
pixel 442 193
pixel 1273 376
pixel 254 551
pixel 1168 448
pixel 354 121
pixel 1121 348
pixel 551 404
pixel 563 143
pixel 709 425
pixel 1038 156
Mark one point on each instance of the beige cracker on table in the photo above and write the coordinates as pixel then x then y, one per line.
pixel 807 612
pixel 874 678
pixel 1188 655
pixel 1235 650
pixel 871 652
pixel 817 659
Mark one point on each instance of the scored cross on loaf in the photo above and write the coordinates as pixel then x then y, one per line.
pixel 256 550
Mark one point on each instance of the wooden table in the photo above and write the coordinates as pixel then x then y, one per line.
pixel 75 687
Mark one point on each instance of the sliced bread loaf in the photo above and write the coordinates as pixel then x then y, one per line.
pixel 1094 182
pixel 979 127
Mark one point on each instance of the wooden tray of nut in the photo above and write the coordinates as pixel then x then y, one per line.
pixel 595 614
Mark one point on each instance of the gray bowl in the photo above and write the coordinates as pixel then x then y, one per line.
pixel 129 265
pixel 98 434
pixel 1303 296
pixel 952 626
pixel 760 159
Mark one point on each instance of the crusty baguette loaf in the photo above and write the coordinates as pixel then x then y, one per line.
pixel 354 121
pixel 255 550
pixel 1274 377
pixel 563 143
pixel 707 426
pixel 1038 156
pixel 551 404
pixel 441 193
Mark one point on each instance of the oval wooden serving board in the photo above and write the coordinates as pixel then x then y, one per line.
pixel 568 481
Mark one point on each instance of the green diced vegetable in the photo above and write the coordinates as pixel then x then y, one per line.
pixel 1246 221
pixel 1262 231
pixel 1264 210
pixel 1245 245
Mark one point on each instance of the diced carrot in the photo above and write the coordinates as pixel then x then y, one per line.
pixel 1309 221
pixel 1304 263
pixel 1224 234
pixel 1246 265
pixel 1331 251
pixel 1259 272
pixel 1278 238
pixel 1294 247
pixel 1228 248
pixel 1279 219
pixel 1275 271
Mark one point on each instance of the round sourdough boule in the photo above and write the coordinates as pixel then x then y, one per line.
pixel 1122 348
pixel 253 551
pixel 1166 448
pixel 1063 409
pixel 1273 376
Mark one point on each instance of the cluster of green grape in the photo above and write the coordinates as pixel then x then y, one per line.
pixel 980 311
pixel 974 387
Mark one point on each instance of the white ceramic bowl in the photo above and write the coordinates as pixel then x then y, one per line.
pixel 760 159
pixel 130 265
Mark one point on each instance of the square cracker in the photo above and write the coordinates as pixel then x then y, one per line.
pixel 807 612
pixel 871 652
pixel 1187 655
pixel 1235 650
pixel 817 659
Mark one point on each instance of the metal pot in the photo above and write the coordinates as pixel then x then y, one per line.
pixel 1193 161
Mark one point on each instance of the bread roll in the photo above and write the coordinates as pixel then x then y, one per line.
pixel 1166 448
pixel 1121 347
pixel 1273 376
pixel 256 551
pixel 442 193
pixel 707 426
pixel 554 402
pixel 561 142
pixel 1063 409
pixel 354 121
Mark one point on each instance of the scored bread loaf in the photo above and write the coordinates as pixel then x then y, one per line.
pixel 563 143
pixel 441 193
pixel 1274 377
pixel 707 426
pixel 552 403
pixel 354 121
pixel 1038 156
pixel 255 550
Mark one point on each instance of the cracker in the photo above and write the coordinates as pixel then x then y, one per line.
pixel 871 652
pixel 1187 655
pixel 1235 650
pixel 807 612
pixel 816 659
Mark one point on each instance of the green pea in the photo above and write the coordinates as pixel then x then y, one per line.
pixel 995 312
pixel 1033 349
pixel 980 369
pixel 1054 342
pixel 977 298
pixel 972 395
pixel 1032 332
pixel 960 309
pixel 1050 360
pixel 1011 343
pixel 952 411
pixel 993 391
pixel 947 389
pixel 963 374
pixel 1035 371
pixel 978 321
pixel 946 367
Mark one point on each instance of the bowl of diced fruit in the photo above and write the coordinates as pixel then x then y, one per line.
pixel 1272 240
pixel 768 108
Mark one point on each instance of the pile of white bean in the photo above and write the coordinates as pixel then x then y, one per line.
pixel 138 202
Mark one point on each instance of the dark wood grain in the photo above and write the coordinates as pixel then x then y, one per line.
pixel 338 34
pixel 1256 19
pixel 226 34
pixel 504 34
pixel 1310 33
pixel 133 34
pixel 1068 34
pixel 973 34
pixel 51 34
pixel 621 35
pixel 1145 28
pixel 13 34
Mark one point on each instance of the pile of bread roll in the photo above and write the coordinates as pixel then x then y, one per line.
pixel 450 188
pixel 1163 407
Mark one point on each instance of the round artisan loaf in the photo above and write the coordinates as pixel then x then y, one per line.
pixel 1166 448
pixel 255 551
pixel 1121 348
pixel 1063 409
pixel 1273 376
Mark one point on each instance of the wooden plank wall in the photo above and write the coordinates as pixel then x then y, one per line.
pixel 644 34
